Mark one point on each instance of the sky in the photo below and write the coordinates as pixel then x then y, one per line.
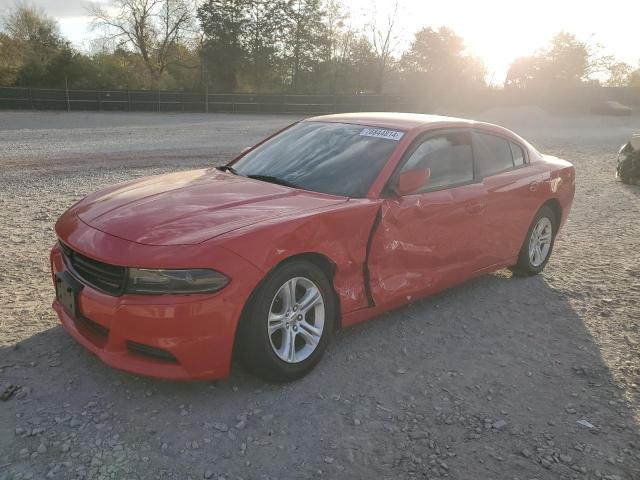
pixel 497 31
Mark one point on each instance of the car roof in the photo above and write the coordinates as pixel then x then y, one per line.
pixel 401 121
pixel 414 121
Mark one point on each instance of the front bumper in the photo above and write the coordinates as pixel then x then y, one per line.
pixel 178 337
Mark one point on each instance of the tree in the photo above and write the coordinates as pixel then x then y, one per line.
pixel 361 66
pixel 33 52
pixel 384 41
pixel 306 38
pixel 634 79
pixel 336 47
pixel 153 28
pixel 31 26
pixel 265 25
pixel 224 24
pixel 619 74
pixel 438 59
pixel 524 72
pixel 567 61
pixel 10 59
pixel 119 69
pixel 30 40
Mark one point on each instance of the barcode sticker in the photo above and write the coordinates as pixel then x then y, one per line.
pixel 382 133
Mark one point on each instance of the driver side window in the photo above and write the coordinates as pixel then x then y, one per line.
pixel 448 157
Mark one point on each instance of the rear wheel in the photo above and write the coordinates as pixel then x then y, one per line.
pixel 289 322
pixel 538 244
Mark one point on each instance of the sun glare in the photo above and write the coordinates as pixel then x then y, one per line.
pixel 500 31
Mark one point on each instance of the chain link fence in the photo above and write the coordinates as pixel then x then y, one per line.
pixel 15 98
pixel 581 99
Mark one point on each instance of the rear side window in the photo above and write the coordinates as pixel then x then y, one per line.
pixel 518 155
pixel 492 154
pixel 447 156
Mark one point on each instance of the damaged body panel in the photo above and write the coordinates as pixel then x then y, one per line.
pixel 424 239
pixel 337 235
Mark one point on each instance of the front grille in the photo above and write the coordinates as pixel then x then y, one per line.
pixel 110 279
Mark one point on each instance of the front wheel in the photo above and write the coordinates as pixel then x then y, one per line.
pixel 289 322
pixel 538 244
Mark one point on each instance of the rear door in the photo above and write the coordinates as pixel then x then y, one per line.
pixel 432 238
pixel 502 165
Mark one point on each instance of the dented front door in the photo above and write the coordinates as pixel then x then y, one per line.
pixel 426 242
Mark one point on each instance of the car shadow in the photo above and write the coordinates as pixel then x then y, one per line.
pixel 498 374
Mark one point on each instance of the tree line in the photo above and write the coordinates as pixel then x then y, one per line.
pixel 279 46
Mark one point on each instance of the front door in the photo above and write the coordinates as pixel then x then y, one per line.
pixel 432 238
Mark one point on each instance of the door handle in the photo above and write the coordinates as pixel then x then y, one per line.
pixel 474 208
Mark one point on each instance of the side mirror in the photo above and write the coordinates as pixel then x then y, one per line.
pixel 412 180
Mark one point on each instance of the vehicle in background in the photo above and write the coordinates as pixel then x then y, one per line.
pixel 628 167
pixel 611 107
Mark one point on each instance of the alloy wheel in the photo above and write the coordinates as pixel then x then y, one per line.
pixel 540 241
pixel 296 320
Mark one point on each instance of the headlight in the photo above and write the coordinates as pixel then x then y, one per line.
pixel 157 282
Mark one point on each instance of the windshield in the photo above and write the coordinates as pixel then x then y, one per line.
pixel 334 158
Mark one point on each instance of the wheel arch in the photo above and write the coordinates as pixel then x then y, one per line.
pixel 323 262
pixel 556 208
pixel 328 267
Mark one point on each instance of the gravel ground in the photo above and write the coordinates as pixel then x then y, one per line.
pixel 500 378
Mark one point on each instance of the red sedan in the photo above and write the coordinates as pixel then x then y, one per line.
pixel 325 224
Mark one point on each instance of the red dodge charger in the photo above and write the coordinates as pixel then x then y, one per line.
pixel 327 223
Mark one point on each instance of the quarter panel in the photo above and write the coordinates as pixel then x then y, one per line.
pixel 513 201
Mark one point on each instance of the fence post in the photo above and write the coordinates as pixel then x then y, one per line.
pixel 30 98
pixel 99 100
pixel 158 100
pixel 206 99
pixel 128 101
pixel 66 89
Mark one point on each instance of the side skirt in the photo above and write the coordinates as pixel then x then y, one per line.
pixel 363 314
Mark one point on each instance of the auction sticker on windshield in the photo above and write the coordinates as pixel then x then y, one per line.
pixel 382 133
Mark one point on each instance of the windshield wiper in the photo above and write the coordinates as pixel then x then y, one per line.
pixel 227 168
pixel 272 179
pixel 264 178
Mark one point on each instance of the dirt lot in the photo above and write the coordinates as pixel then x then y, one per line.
pixel 486 381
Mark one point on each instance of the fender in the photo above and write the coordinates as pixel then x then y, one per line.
pixel 340 233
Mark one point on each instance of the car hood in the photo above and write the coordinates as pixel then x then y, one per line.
pixel 191 207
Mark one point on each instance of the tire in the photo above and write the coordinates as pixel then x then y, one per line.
pixel 266 355
pixel 624 176
pixel 532 262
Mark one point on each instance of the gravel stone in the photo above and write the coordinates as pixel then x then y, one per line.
pixel 222 427
pixel 499 425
